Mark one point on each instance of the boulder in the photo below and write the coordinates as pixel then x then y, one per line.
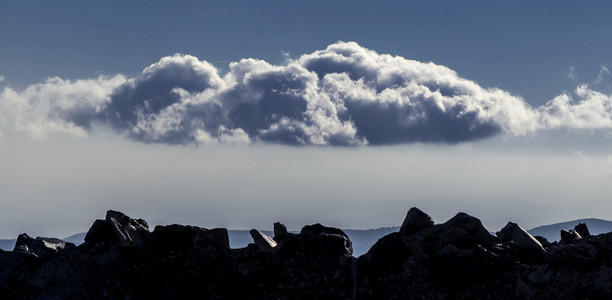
pixel 182 237
pixel 415 221
pixel 476 233
pixel 513 232
pixel 328 240
pixel 570 236
pixel 41 246
pixel 262 240
pixel 118 229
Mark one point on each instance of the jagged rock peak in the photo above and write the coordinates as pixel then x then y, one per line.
pixel 280 231
pixel 583 230
pixel 515 233
pixel 117 228
pixel 126 221
pixel 415 220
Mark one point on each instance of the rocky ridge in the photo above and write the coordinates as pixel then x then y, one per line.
pixel 459 259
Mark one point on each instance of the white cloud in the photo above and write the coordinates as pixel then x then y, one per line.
pixel 592 111
pixel 602 71
pixel 572 73
pixel 342 95
pixel 55 106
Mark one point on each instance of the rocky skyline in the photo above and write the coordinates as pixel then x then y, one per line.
pixel 121 258
pixel 239 114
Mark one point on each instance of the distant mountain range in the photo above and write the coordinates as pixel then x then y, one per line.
pixel 364 239
pixel 553 232
pixel 7 245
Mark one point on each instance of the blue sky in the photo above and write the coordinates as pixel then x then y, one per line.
pixel 524 47
pixel 184 139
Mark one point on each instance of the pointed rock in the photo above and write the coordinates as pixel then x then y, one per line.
pixel 415 221
pixel 280 231
pixel 515 233
pixel 126 221
pixel 583 230
pixel 262 240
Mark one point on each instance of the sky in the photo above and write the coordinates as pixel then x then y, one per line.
pixel 238 114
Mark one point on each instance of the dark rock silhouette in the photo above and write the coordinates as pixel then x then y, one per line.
pixel 179 238
pixel 582 230
pixel 280 231
pixel 40 246
pixel 514 233
pixel 415 220
pixel 459 259
pixel 119 229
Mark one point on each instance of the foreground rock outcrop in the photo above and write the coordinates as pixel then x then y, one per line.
pixel 459 259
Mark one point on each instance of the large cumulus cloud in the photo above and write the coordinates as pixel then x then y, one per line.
pixel 342 95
